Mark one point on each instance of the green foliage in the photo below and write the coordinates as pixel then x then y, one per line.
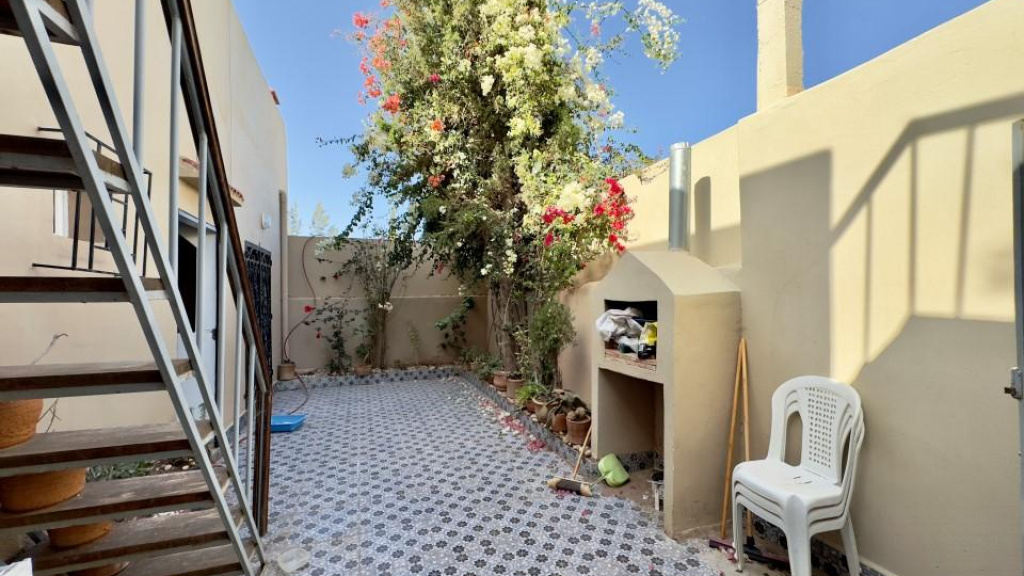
pixel 333 319
pixel 482 363
pixel 529 391
pixel 320 222
pixel 119 471
pixel 377 262
pixel 549 330
pixel 493 129
pixel 453 327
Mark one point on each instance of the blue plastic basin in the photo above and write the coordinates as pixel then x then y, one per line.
pixel 287 423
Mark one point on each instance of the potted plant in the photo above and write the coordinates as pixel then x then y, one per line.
pixel 526 393
pixel 500 379
pixel 515 382
pixel 363 353
pixel 563 402
pixel 578 423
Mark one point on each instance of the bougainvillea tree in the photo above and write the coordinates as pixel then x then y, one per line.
pixel 492 126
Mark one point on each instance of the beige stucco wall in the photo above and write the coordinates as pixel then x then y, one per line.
pixel 252 136
pixel 420 299
pixel 871 217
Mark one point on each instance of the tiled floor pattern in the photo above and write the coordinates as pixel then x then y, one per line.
pixel 421 478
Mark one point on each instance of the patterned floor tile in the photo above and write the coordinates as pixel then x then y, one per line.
pixel 417 477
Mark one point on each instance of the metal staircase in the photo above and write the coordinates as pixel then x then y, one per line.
pixel 220 507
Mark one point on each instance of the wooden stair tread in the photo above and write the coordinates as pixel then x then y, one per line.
pixel 49 380
pixel 9 26
pixel 134 540
pixel 82 448
pixel 115 499
pixel 71 284
pixel 44 162
pixel 20 289
pixel 217 561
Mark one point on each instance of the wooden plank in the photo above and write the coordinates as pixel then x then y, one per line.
pixel 29 161
pixel 77 284
pixel 47 380
pixel 84 448
pixel 219 561
pixel 115 499
pixel 136 540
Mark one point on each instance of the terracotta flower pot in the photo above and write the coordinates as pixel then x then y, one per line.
pixel 72 536
pixel 558 425
pixel 577 431
pixel 363 370
pixel 513 386
pixel 34 491
pixel 18 421
pixel 109 570
pixel 500 379
pixel 540 407
pixel 286 371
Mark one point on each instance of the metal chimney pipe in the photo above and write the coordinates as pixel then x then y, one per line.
pixel 679 197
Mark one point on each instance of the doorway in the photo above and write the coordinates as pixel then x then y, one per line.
pixel 188 258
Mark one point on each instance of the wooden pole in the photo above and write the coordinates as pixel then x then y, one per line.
pixel 726 487
pixel 746 426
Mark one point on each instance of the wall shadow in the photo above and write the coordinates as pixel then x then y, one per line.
pixel 785 277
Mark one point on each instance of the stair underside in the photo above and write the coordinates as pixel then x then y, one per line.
pixel 134 540
pixel 36 162
pixel 55 289
pixel 85 448
pixel 117 499
pixel 58 26
pixel 63 380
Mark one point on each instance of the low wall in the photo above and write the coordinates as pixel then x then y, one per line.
pixel 420 299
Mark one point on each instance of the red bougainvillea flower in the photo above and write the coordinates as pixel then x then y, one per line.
pixel 436 180
pixel 599 209
pixel 614 187
pixel 374 92
pixel 618 225
pixel 437 125
pixel 307 308
pixel 595 29
pixel 612 238
pixel 393 103
pixel 360 20
pixel 434 78
pixel 620 247
pixel 549 239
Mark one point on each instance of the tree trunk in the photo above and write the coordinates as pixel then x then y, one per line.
pixel 508 314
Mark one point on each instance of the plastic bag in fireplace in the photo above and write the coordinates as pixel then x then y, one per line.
pixel 614 324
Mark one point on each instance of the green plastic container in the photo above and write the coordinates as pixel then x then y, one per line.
pixel 612 471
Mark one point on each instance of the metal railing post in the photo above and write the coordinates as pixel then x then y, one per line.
pixel 201 239
pixel 172 229
pixel 139 80
pixel 240 349
pixel 250 392
pixel 222 315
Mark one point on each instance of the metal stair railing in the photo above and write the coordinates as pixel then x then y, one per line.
pixel 34 18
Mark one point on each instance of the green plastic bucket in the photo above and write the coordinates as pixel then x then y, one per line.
pixel 612 471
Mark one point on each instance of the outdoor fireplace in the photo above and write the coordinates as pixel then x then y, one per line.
pixel 674 407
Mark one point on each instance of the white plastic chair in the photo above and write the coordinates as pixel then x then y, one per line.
pixel 813 497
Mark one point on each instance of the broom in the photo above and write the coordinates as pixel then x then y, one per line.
pixel 572 484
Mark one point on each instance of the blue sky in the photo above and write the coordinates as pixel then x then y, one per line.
pixel 315 72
